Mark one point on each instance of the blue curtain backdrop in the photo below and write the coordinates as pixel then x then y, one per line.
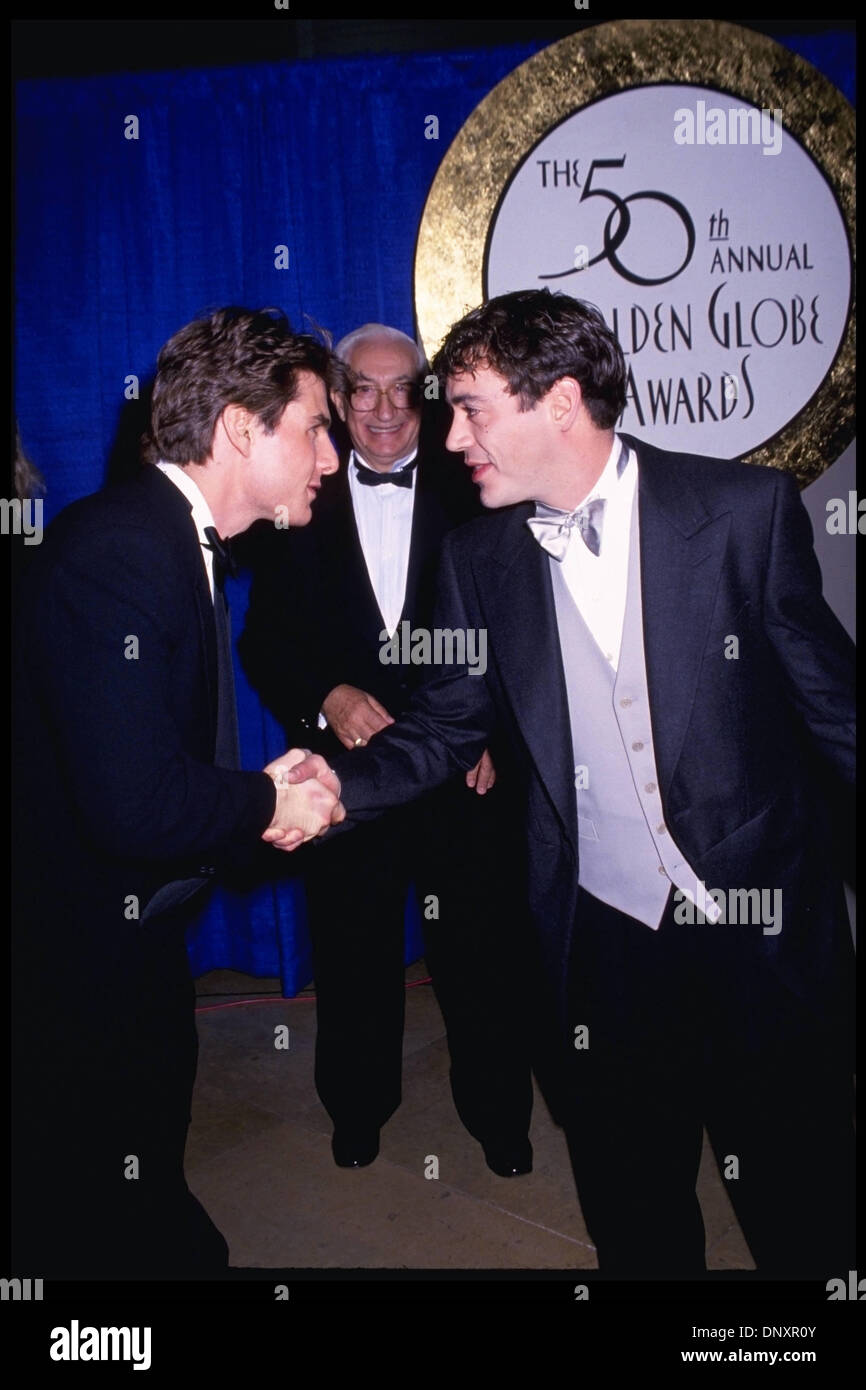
pixel 120 242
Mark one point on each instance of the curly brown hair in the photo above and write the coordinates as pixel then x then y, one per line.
pixel 532 338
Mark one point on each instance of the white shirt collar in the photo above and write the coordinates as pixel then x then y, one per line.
pixel 355 457
pixel 202 515
pixel 605 485
pixel 607 482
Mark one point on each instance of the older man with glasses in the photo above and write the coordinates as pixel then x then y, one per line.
pixel 323 611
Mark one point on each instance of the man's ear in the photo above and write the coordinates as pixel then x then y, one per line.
pixel 564 400
pixel 238 423
pixel 340 405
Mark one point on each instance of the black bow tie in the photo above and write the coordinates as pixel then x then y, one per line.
pixel 224 560
pixel 370 478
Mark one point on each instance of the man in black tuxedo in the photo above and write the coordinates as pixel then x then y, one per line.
pixel 323 606
pixel 129 795
pixel 670 680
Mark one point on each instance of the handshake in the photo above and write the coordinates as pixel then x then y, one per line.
pixel 308 799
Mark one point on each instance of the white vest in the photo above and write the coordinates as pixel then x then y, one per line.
pixel 627 855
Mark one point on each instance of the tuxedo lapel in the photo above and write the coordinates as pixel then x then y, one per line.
pixel 207 631
pixel 345 558
pixel 683 548
pixel 523 633
pixel 429 526
pixel 173 511
pixel 346 554
pixel 682 551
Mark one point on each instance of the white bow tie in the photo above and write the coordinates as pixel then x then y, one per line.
pixel 554 533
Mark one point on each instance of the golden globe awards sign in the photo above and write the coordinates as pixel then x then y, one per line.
pixel 709 220
pixel 723 268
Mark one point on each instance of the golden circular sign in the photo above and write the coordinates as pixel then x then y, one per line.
pixel 606 60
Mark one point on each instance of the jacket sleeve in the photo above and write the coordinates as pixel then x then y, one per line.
pixel 445 729
pixel 816 655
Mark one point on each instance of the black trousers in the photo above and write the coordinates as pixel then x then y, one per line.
pixel 455 846
pixel 688 1027
pixel 105 1052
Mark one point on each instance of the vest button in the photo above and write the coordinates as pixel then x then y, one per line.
pixel 637 746
pixel 626 702
pixel 650 787
pixel 661 830
pixel 662 870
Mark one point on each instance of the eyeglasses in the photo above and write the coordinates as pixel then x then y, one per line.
pixel 403 395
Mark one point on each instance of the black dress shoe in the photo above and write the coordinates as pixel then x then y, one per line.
pixel 354 1148
pixel 509 1160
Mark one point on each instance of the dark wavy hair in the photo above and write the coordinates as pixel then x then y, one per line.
pixel 234 356
pixel 532 338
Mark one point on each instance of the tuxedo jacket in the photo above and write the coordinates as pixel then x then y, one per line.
pixel 726 549
pixel 313 621
pixel 116 791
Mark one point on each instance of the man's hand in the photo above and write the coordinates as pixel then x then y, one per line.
pixel 354 715
pixel 311 767
pixel 295 756
pixel 483 774
pixel 301 813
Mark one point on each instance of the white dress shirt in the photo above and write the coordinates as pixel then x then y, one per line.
pixel 598 583
pixel 383 516
pixel 201 512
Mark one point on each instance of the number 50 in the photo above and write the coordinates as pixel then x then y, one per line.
pixel 613 242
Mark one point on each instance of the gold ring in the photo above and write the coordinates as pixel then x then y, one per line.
pixel 360 742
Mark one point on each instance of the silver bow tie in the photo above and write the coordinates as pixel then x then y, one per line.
pixel 554 533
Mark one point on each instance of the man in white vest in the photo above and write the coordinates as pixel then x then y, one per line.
pixel 683 882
